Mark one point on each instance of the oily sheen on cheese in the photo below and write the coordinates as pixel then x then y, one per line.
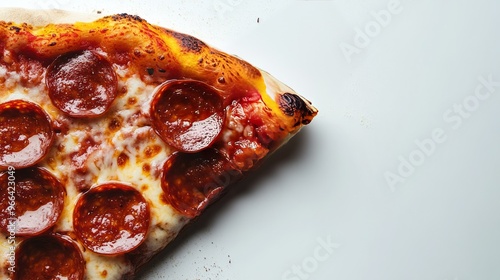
pixel 116 134
pixel 112 145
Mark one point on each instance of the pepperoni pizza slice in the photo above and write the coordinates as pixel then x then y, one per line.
pixel 116 133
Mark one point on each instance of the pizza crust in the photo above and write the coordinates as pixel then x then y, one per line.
pixel 275 89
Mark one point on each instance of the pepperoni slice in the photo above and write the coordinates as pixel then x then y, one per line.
pixel 111 218
pixel 82 84
pixel 38 200
pixel 187 114
pixel 192 181
pixel 52 256
pixel 25 134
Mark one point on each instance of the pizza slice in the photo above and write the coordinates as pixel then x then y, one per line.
pixel 115 134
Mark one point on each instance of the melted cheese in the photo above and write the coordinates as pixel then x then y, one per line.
pixel 145 155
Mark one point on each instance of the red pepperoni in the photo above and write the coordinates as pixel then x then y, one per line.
pixel 192 181
pixel 38 200
pixel 82 84
pixel 111 218
pixel 25 134
pixel 187 114
pixel 52 256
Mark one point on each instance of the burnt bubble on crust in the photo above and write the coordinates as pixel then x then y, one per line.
pixel 188 42
pixel 121 16
pixel 294 105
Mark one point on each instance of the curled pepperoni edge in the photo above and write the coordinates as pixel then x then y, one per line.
pixel 48 179
pixel 53 90
pixel 176 137
pixel 214 188
pixel 104 187
pixel 73 252
pixel 20 104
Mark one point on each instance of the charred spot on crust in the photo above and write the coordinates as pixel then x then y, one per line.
pixel 290 103
pixel 293 105
pixel 118 17
pixel 15 28
pixel 189 43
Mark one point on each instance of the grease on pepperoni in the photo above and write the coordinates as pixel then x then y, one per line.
pixel 51 256
pixel 187 114
pixel 38 197
pixel 82 84
pixel 112 218
pixel 192 181
pixel 26 134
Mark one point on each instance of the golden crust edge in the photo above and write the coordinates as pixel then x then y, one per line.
pixel 42 17
pixel 304 113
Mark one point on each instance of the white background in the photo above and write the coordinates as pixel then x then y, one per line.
pixel 399 91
